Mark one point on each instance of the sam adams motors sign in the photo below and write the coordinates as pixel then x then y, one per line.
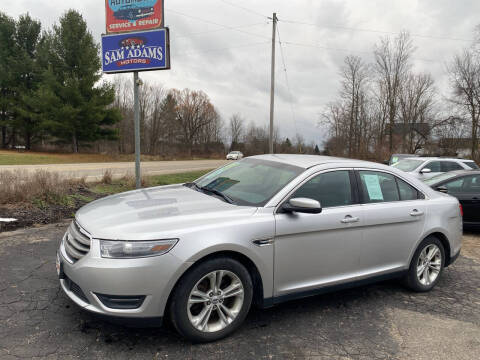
pixel 140 51
pixel 133 15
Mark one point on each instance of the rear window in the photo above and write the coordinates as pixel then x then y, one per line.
pixel 471 164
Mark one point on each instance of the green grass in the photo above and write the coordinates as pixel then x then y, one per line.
pixel 30 158
pixel 12 157
pixel 168 179
pixel 122 185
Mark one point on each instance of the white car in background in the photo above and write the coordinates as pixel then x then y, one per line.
pixel 426 167
pixel 234 155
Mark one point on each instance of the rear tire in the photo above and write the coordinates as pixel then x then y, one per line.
pixel 212 300
pixel 426 266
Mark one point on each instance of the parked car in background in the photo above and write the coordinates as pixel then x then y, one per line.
pixel 397 157
pixel 426 167
pixel 262 230
pixel 234 155
pixel 133 12
pixel 465 186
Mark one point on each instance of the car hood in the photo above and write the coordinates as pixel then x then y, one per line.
pixel 156 213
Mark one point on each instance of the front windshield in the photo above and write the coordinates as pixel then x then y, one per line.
pixel 407 164
pixel 439 178
pixel 250 182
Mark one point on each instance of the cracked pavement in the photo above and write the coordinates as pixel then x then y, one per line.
pixel 381 321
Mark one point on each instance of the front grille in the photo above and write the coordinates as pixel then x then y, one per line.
pixel 77 242
pixel 73 287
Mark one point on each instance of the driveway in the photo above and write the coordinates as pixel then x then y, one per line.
pixel 381 321
pixel 95 171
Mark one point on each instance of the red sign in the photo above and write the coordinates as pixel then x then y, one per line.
pixel 133 15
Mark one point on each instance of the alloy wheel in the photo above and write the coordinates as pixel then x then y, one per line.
pixel 429 264
pixel 215 301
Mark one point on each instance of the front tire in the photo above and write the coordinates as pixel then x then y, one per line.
pixel 426 266
pixel 212 300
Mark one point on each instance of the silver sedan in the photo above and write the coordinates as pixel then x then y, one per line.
pixel 262 230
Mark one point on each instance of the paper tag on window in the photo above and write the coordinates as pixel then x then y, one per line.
pixel 373 187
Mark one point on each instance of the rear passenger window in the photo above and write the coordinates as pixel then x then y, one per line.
pixel 434 166
pixel 472 185
pixel 447 166
pixel 471 164
pixel 382 187
pixel 407 192
pixel 330 189
pixel 378 187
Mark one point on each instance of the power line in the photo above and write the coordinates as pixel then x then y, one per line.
pixel 217 24
pixel 286 80
pixel 244 9
pixel 374 31
pixel 223 29
pixel 348 50
pixel 225 48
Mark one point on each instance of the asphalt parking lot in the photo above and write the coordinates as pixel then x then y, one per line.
pixel 381 321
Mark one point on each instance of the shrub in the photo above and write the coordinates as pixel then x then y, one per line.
pixel 42 186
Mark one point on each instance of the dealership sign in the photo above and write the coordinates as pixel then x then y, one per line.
pixel 140 51
pixel 133 15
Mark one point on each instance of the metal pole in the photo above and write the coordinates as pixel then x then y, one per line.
pixel 136 117
pixel 272 85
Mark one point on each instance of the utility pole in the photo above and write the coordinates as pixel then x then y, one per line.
pixel 136 118
pixel 272 85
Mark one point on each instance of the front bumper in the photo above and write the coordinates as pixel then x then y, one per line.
pixel 152 277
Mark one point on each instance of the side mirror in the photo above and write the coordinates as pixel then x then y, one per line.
pixel 442 189
pixel 302 205
pixel 425 171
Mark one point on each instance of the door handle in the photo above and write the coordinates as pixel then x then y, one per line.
pixel 415 212
pixel 349 219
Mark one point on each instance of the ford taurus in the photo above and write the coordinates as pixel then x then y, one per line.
pixel 262 230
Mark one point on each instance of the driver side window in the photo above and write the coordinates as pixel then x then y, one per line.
pixel 330 189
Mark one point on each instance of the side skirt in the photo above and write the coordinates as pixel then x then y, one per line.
pixel 269 302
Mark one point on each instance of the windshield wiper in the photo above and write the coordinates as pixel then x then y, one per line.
pixel 218 193
pixel 192 185
pixel 212 191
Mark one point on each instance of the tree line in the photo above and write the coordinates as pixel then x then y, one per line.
pixel 50 84
pixel 185 123
pixel 53 96
pixel 385 106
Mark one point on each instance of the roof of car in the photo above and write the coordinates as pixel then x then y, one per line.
pixel 457 173
pixel 306 161
pixel 425 158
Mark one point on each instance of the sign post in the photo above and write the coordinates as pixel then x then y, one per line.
pixel 136 41
pixel 136 119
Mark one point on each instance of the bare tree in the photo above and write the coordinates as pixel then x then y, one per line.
pixel 354 77
pixel 392 64
pixel 236 130
pixel 465 78
pixel 194 111
pixel 416 111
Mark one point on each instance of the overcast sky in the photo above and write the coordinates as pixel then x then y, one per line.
pixel 223 47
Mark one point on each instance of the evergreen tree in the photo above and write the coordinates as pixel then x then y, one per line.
pixel 7 44
pixel 73 106
pixel 287 143
pixel 27 77
pixel 317 150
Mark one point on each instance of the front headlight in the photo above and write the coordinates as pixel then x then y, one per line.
pixel 134 249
